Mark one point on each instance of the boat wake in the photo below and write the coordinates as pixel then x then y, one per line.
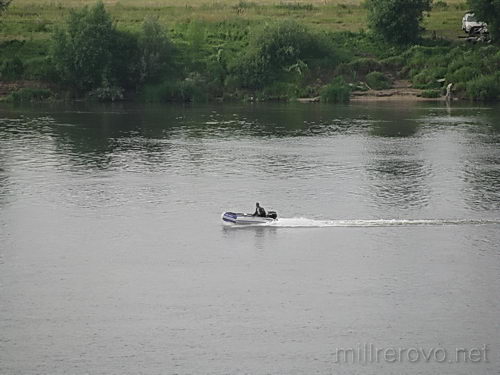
pixel 302 222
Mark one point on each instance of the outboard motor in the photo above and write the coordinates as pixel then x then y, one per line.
pixel 272 214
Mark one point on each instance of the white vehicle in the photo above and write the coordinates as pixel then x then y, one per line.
pixel 471 25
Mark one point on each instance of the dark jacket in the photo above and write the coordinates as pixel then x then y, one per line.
pixel 259 211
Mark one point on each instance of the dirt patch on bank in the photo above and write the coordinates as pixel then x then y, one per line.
pixel 401 90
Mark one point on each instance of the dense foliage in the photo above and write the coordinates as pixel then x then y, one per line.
pixel 472 70
pixel 488 11
pixel 397 21
pixel 90 53
pixel 279 51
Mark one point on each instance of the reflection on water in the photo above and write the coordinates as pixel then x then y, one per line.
pixel 277 141
pixel 397 127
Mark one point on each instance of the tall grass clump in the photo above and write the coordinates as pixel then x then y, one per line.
pixel 338 91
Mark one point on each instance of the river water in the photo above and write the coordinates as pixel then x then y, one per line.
pixel 114 259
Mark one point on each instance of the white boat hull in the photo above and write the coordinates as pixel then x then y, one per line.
pixel 245 219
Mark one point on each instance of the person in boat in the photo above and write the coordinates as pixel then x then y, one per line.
pixel 259 211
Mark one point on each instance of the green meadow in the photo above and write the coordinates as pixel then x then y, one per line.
pixel 28 19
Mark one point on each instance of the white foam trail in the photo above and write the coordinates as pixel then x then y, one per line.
pixel 302 222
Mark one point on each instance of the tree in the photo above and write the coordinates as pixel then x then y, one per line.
pixel 488 11
pixel 90 53
pixel 397 21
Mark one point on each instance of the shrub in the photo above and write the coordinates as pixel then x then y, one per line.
pixel 440 5
pixel 463 74
pixel 430 94
pixel 11 69
pixel 107 93
pixel 192 89
pixel 280 91
pixel 40 68
pixel 428 78
pixel 378 81
pixel 280 50
pixel 90 51
pixel 336 92
pixel 484 88
pixel 364 65
pixel 26 95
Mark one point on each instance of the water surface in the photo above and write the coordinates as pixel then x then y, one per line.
pixel 113 258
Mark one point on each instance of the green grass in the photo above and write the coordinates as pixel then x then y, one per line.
pixel 33 20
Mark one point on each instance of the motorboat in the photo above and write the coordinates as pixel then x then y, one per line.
pixel 248 219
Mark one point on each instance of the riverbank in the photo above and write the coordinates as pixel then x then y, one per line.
pixel 229 51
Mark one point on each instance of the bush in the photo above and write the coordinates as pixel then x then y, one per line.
pixel 107 93
pixel 26 95
pixel 430 94
pixel 40 68
pixel 378 81
pixel 280 91
pixel 397 21
pixel 484 88
pixel 440 5
pixel 192 89
pixel 393 63
pixel 463 74
pixel 364 65
pixel 90 51
pixel 11 69
pixel 428 78
pixel 336 92
pixel 278 51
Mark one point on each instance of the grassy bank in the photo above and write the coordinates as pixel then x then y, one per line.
pixel 214 42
